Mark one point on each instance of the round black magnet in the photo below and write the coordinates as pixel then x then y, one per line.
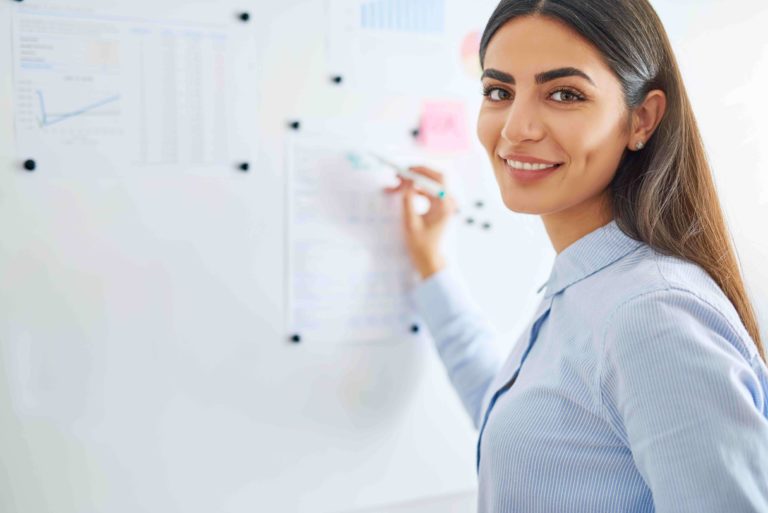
pixel 245 16
pixel 337 79
pixel 295 125
pixel 245 166
pixel 414 328
pixel 415 132
pixel 296 338
pixel 30 165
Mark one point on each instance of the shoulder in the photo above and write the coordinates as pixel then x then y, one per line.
pixel 660 294
pixel 678 344
pixel 645 289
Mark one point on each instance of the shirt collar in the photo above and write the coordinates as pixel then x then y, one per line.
pixel 586 256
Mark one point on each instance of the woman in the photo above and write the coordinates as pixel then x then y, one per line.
pixel 640 384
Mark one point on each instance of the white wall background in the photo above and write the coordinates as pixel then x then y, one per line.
pixel 143 363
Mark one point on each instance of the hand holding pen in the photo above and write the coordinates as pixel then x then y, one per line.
pixel 423 233
pixel 426 182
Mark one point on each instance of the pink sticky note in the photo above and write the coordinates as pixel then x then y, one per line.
pixel 444 126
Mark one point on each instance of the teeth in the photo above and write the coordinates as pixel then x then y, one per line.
pixel 526 166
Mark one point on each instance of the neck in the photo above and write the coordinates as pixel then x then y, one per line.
pixel 567 226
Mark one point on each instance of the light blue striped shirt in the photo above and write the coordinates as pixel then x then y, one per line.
pixel 635 388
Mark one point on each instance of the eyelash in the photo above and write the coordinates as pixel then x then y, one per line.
pixel 579 97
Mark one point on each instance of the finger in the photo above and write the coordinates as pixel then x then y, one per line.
pixel 424 193
pixel 430 173
pixel 444 200
pixel 394 189
pixel 451 206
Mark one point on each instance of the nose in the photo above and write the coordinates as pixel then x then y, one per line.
pixel 523 122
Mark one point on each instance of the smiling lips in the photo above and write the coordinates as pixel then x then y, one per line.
pixel 527 166
pixel 525 163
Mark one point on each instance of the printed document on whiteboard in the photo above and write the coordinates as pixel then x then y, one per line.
pixel 348 270
pixel 390 45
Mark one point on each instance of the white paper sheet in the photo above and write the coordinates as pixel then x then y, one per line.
pixel 348 266
pixel 121 90
pixel 391 45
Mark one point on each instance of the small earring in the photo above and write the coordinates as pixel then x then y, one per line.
pixel 640 145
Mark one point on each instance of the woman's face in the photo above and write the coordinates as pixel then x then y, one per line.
pixel 575 117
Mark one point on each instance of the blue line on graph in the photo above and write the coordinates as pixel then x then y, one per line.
pixel 48 121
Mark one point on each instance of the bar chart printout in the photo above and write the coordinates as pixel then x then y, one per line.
pixel 392 45
pixel 418 16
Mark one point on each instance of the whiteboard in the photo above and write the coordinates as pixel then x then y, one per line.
pixel 146 365
pixel 145 361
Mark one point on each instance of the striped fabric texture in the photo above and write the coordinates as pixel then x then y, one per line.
pixel 635 388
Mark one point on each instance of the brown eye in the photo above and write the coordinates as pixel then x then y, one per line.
pixel 567 96
pixel 496 94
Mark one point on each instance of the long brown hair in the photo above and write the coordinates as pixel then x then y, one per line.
pixel 663 195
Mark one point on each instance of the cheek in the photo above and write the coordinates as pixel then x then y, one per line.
pixel 595 143
pixel 489 125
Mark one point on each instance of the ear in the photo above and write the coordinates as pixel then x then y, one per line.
pixel 645 119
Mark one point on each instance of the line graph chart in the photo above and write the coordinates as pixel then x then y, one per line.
pixel 47 119
pixel 139 92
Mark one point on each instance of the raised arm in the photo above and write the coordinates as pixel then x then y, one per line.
pixel 462 335
pixel 464 339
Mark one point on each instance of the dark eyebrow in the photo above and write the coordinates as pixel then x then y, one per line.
pixel 541 78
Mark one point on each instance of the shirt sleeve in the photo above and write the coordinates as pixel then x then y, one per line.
pixel 463 337
pixel 688 396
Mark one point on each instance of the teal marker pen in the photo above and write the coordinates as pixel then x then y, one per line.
pixel 428 185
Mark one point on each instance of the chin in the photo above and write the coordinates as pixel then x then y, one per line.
pixel 522 206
